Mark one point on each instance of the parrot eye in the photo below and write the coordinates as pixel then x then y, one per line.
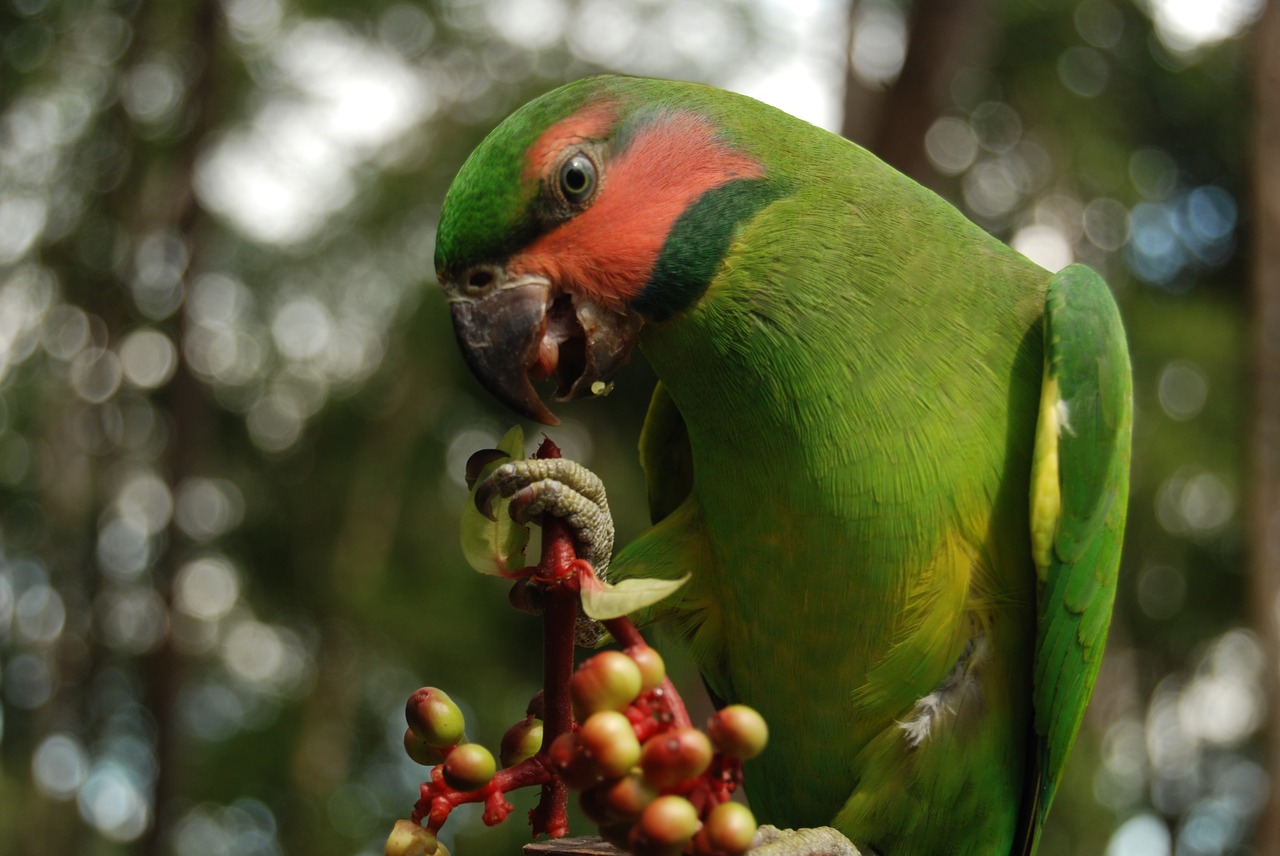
pixel 577 179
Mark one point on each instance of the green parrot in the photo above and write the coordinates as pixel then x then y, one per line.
pixel 892 452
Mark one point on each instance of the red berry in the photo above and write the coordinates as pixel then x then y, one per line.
pixel 469 767
pixel 673 756
pixel 608 681
pixel 738 731
pixel 571 763
pixel 434 717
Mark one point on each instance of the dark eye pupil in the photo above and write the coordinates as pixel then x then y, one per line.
pixel 577 178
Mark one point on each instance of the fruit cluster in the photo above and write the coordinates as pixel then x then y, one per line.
pixel 654 785
pixel 615 730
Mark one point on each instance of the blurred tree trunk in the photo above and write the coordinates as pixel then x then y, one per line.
pixel 1265 431
pixel 944 36
pixel 190 416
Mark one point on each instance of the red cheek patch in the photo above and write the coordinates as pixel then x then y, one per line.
pixel 608 251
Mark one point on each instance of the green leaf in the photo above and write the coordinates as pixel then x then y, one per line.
pixel 495 546
pixel 602 600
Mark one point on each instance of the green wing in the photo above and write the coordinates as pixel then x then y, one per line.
pixel 665 455
pixel 1080 488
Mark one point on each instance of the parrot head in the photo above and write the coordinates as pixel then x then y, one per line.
pixel 597 208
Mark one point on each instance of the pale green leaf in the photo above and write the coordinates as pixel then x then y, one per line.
pixel 603 600
pixel 495 546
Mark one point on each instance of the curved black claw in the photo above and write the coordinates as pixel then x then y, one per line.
pixel 478 461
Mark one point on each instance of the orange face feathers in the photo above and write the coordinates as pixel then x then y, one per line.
pixel 609 249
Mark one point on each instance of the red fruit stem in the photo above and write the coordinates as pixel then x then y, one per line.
pixel 438 800
pixel 666 699
pixel 559 618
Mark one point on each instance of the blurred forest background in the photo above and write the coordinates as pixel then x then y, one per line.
pixel 233 420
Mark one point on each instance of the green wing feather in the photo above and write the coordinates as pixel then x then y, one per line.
pixel 665 455
pixel 1083 439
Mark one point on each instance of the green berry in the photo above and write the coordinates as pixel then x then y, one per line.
pixel 738 731
pixel 676 755
pixel 608 681
pixel 609 738
pixel 522 740
pixel 668 821
pixel 434 717
pixel 729 830
pixel 469 767
pixel 652 669
pixel 410 839
pixel 420 750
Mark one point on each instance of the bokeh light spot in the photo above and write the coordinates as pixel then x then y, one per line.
pixel 59 766
pixel 1141 835
pixel 1183 389
pixel 951 145
pixel 879 45
pixel 40 615
pixel 113 804
pixel 148 358
pixel 206 508
pixel 206 588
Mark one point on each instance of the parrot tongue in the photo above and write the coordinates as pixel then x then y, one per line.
pixel 520 332
pixel 591 345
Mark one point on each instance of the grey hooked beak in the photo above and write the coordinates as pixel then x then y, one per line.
pixel 515 329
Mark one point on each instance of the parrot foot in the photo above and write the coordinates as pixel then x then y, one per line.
pixel 816 841
pixel 563 489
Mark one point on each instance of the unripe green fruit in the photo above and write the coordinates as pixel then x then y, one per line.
pixel 410 839
pixel 434 717
pixel 609 738
pixel 738 731
pixel 674 756
pixel 668 821
pixel 652 669
pixel 420 750
pixel 728 831
pixel 571 762
pixel 469 767
pixel 608 681
pixel 522 740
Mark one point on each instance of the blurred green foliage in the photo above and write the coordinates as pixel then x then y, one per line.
pixel 233 420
